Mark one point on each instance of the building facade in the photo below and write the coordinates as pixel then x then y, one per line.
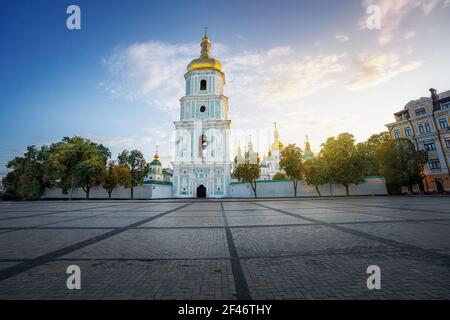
pixel 425 122
pixel 156 170
pixel 202 166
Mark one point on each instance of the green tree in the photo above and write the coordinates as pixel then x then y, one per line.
pixel 317 173
pixel 78 162
pixel 26 181
pixel 400 163
pixel 344 161
pixel 137 166
pixel 110 178
pixel 367 151
pixel 279 176
pixel 291 161
pixel 248 172
pixel 115 175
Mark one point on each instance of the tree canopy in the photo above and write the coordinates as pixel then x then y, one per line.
pixel 248 172
pixel 317 173
pixel 78 162
pixel 291 161
pixel 135 162
pixel 400 163
pixel 344 162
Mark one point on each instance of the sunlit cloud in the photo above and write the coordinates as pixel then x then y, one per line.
pixel 376 69
pixel 342 38
pixel 409 35
pixel 152 72
pixel 264 86
pixel 394 12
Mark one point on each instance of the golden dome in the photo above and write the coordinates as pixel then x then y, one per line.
pixel 205 61
pixel 277 144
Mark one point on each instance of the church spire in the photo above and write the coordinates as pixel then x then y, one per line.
pixel 308 154
pixel 156 157
pixel 277 144
pixel 206 46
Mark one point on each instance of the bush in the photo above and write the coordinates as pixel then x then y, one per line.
pixel 279 176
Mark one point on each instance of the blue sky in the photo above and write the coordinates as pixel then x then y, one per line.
pixel 308 65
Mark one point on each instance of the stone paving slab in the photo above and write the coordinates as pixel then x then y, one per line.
pixel 423 235
pixel 294 240
pixel 153 244
pixel 263 220
pixel 25 244
pixel 104 222
pixel 203 280
pixel 260 249
pixel 194 221
pixel 344 277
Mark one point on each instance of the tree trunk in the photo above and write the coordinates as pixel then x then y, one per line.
pixel 109 195
pixel 87 193
pixel 253 184
pixel 318 191
pixel 295 187
pixel 347 189
pixel 132 195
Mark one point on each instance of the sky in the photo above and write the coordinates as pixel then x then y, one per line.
pixel 313 67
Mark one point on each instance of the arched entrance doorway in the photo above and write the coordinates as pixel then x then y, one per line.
pixel 201 192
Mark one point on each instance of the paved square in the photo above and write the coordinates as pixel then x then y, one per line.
pixel 230 249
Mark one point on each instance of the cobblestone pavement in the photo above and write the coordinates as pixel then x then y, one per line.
pixel 249 249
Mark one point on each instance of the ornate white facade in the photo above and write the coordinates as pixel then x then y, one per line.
pixel 202 166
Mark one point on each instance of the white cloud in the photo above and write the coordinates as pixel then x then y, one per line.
pixel 393 12
pixel 375 69
pixel 409 35
pixel 277 84
pixel 152 72
pixel 342 38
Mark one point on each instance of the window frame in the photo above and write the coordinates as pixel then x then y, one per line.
pixel 408 132
pixel 203 81
pixel 441 121
pixel 420 112
pixel 434 165
pixel 430 146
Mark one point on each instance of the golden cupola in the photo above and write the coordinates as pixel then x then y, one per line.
pixel 205 62
pixel 277 144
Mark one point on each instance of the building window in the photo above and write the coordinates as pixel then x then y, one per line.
pixel 203 85
pixel 397 134
pixel 434 164
pixel 447 143
pixel 202 109
pixel 420 112
pixel 445 105
pixel 443 123
pixel 429 146
pixel 427 127
pixel 408 132
pixel 421 128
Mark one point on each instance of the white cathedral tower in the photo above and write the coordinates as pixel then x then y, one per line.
pixel 202 166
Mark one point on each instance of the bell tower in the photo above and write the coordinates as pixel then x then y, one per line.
pixel 202 135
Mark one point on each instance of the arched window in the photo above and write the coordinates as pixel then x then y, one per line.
pixel 203 85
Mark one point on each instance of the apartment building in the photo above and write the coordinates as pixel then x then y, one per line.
pixel 425 122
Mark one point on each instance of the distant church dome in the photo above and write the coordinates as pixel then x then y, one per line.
pixel 155 161
pixel 277 145
pixel 205 61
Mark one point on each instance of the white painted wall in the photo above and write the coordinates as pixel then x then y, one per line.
pixel 146 191
pixel 271 189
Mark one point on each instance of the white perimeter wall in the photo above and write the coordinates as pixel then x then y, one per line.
pixel 271 189
pixel 146 191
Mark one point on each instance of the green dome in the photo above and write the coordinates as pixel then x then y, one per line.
pixel 155 162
